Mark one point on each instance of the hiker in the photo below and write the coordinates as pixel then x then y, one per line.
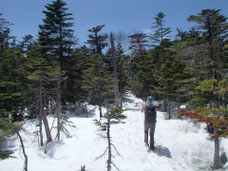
pixel 150 114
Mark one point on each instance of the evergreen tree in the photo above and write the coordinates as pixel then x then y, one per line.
pixel 40 73
pixel 137 47
pixel 214 29
pixel 114 116
pixel 185 49
pixel 12 94
pixel 145 77
pixel 56 38
pixel 55 34
pixel 137 44
pixel 161 33
pixel 74 82
pixel 121 61
pixel 160 38
pixel 98 82
pixel 168 77
pixel 4 33
pixel 97 41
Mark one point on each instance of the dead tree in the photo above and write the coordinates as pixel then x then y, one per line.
pixel 117 94
pixel 23 149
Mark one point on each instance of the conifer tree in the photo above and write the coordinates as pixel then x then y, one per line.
pixel 98 82
pixel 159 38
pixel 12 94
pixel 114 116
pixel 145 77
pixel 97 41
pixel 56 38
pixel 40 73
pixel 214 29
pixel 137 46
pixel 167 78
pixel 55 34
pixel 161 32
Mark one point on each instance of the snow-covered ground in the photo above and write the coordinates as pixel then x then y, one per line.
pixel 179 145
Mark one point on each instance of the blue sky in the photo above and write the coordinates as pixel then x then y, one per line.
pixel 128 16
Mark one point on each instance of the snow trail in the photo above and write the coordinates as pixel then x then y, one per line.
pixel 179 145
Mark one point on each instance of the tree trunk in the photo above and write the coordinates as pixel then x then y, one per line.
pixel 225 101
pixel 24 153
pixel 216 154
pixel 109 161
pixel 117 94
pixel 47 128
pixel 41 115
pixel 58 109
pixel 178 103
pixel 100 110
pixel 165 106
pixel 169 110
pixel 86 110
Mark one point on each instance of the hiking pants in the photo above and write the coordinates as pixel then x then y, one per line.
pixel 149 127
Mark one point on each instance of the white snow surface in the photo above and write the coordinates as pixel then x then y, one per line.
pixel 180 145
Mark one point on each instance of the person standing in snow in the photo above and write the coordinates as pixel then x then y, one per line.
pixel 150 114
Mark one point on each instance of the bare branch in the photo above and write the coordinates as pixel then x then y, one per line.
pixel 102 154
pixel 23 149
pixel 115 166
pixel 116 150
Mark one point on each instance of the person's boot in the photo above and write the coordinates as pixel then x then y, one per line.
pixel 152 143
pixel 146 138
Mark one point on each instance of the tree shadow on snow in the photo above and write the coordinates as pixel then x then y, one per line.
pixel 90 113
pixel 53 147
pixel 162 151
pixel 82 114
pixel 224 168
pixel 127 100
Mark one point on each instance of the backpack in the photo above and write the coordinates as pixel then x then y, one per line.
pixel 150 114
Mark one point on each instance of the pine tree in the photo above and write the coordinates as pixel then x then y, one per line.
pixel 160 36
pixel 145 77
pixel 185 49
pixel 12 94
pixel 161 32
pixel 56 38
pixel 55 34
pixel 168 77
pixel 137 44
pixel 138 49
pixel 214 28
pixel 40 73
pixel 97 41
pixel 75 93
pixel 98 82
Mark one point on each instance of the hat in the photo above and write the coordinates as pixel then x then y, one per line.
pixel 149 98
